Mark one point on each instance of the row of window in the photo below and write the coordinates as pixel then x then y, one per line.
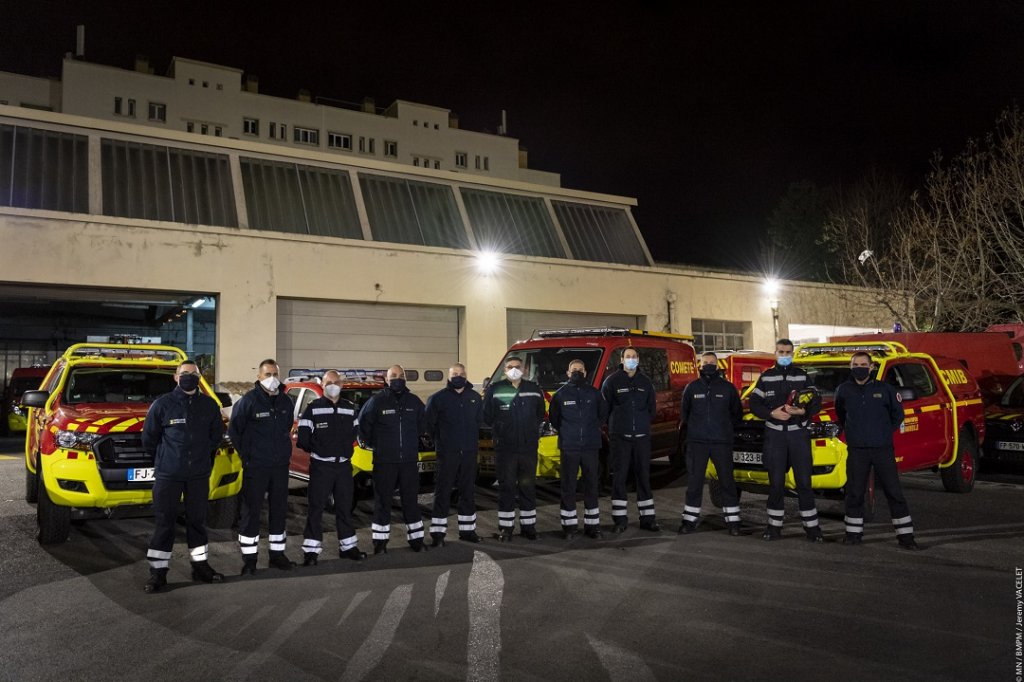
pixel 49 170
pixel 156 111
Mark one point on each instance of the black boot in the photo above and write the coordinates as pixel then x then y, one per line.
pixel 248 565
pixel 651 525
pixel 203 572
pixel 814 534
pixel 437 540
pixel 687 527
pixel 380 546
pixel 352 553
pixel 772 533
pixel 593 532
pixel 908 542
pixel 280 561
pixel 528 532
pixel 734 528
pixel 157 580
pixel 569 532
pixel 853 539
pixel 310 558
pixel 469 536
pixel 619 528
pixel 417 545
pixel 505 535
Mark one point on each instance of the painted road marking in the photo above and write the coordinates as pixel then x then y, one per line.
pixel 486 585
pixel 380 637
pixel 356 601
pixel 620 664
pixel 249 667
pixel 439 588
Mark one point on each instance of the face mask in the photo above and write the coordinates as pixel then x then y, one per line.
pixel 577 377
pixel 457 382
pixel 270 383
pixel 397 385
pixel 708 370
pixel 784 361
pixel 860 373
pixel 188 382
pixel 332 391
pixel 514 374
pixel 631 364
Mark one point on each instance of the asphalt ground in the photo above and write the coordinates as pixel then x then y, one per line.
pixel 638 606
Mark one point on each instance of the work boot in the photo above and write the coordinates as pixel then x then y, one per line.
pixel 907 542
pixel 157 580
pixel 814 534
pixel 852 539
pixel 651 525
pixel 687 527
pixel 203 572
pixel 594 533
pixel 619 528
pixel 505 535
pixel 354 553
pixel 734 528
pixel 418 545
pixel 570 533
pixel 310 558
pixel 772 533
pixel 248 566
pixel 380 546
pixel 438 540
pixel 280 561
pixel 528 532
pixel 469 536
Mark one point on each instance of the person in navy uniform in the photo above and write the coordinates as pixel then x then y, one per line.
pixel 454 416
pixel 514 409
pixel 870 411
pixel 260 429
pixel 390 424
pixel 631 408
pixel 786 440
pixel 182 432
pixel 577 411
pixel 327 429
pixel 710 410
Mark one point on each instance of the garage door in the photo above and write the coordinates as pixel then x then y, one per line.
pixel 324 334
pixel 522 323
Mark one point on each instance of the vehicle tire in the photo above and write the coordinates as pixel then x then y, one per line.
pixel 31 486
pixel 715 492
pixel 959 476
pixel 222 513
pixel 54 521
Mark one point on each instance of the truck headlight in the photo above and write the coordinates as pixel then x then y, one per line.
pixel 823 429
pixel 76 439
pixel 546 429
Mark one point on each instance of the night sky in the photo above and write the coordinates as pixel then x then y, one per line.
pixel 704 114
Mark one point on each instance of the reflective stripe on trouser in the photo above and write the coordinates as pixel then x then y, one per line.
pixel 310 546
pixel 571 463
pixel 506 519
pixel 277 542
pixel 619 511
pixel 196 554
pixel 691 514
pixel 784 450
pixel 386 477
pixel 327 479
pixel 248 544
pixel 527 517
pixel 592 517
pixel 697 456
pixel 347 543
pixel 859 464
pixel 158 558
pixel 438 525
pixel 467 523
pixel 257 484
pixel 732 514
pixel 455 470
pixel 775 517
pixel 854 525
pixel 166 504
pixel 626 454
pixel 517 474
pixel 809 517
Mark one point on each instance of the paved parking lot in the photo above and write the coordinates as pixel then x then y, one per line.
pixel 640 606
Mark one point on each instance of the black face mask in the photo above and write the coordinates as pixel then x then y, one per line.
pixel 397 385
pixel 860 373
pixel 708 371
pixel 577 377
pixel 457 382
pixel 188 382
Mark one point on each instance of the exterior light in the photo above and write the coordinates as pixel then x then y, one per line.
pixel 771 287
pixel 198 302
pixel 487 262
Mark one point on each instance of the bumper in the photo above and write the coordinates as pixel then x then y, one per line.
pixel 73 479
pixel 828 474
pixel 362 462
pixel 549 458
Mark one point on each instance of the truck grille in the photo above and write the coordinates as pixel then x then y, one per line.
pixel 749 438
pixel 122 450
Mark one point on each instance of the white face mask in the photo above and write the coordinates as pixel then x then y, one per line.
pixel 332 391
pixel 270 383
pixel 631 364
pixel 514 374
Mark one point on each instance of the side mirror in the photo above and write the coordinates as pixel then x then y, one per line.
pixel 35 398
pixel 907 393
pixel 224 398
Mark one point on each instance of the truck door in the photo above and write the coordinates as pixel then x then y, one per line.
pixel 924 438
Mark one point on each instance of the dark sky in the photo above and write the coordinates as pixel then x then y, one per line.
pixel 705 114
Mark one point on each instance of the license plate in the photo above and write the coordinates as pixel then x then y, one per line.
pixel 141 474
pixel 486 460
pixel 746 457
pixel 430 465
pixel 1009 445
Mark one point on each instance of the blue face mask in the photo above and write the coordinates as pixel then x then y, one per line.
pixel 784 361
pixel 631 364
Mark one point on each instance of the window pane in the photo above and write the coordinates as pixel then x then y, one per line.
pixel 599 233
pixel 411 212
pixel 43 169
pixel 507 223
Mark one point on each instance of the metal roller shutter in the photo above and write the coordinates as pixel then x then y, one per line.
pixel 332 334
pixel 522 323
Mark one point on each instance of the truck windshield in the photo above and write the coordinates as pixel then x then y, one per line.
pixel 826 378
pixel 117 385
pixel 1014 396
pixel 547 366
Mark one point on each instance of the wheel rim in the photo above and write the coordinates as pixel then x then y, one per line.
pixel 967 465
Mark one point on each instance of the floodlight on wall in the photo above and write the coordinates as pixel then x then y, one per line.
pixel 487 262
pixel 198 302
